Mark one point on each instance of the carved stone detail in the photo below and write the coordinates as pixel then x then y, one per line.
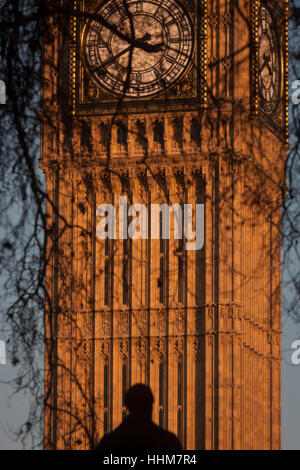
pixel 197 349
pixel 142 321
pixel 106 323
pixel 123 323
pixel 179 322
pixel 124 348
pixel 142 351
pixel 161 318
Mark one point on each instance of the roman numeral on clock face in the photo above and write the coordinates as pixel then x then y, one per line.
pixel 157 74
pixel 136 77
pixel 170 59
pixel 119 9
pixel 97 43
pixel 169 23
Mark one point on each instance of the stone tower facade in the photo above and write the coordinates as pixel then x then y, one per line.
pixel 202 326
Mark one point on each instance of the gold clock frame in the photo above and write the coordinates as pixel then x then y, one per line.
pixel 178 90
pixel 280 18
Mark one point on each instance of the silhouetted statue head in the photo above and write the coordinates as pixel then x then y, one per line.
pixel 139 399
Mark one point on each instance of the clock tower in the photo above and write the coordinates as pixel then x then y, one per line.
pixel 173 104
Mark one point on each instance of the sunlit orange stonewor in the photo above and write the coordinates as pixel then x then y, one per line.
pixel 189 109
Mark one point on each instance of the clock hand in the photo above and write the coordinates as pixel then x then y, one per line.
pixel 146 37
pixel 111 60
pixel 262 67
pixel 265 63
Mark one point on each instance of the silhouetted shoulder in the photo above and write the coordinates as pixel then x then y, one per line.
pixel 139 434
pixel 167 440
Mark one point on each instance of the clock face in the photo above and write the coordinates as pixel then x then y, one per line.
pixel 268 63
pixel 139 50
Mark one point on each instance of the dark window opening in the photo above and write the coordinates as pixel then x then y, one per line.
pixel 196 131
pixel 106 283
pixel 179 424
pixel 179 384
pixel 125 246
pixel 104 135
pixel 86 138
pixel 105 422
pixel 161 418
pixel 105 386
pixel 161 280
pixel 124 383
pixel 161 384
pixel 159 132
pixel 141 134
pixel 125 281
pixel 106 246
pixel 122 134
pixel 178 131
pixel 180 278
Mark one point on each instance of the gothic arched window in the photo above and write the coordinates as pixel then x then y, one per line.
pixel 122 134
pixel 106 387
pixel 124 382
pixel 178 131
pixel 104 135
pixel 141 134
pixel 86 137
pixel 125 272
pixel 179 397
pixel 158 132
pixel 161 392
pixel 196 131
pixel 179 383
pixel 180 278
pixel 124 385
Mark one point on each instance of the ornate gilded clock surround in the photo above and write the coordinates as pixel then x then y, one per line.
pixel 277 120
pixel 192 85
pixel 160 54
